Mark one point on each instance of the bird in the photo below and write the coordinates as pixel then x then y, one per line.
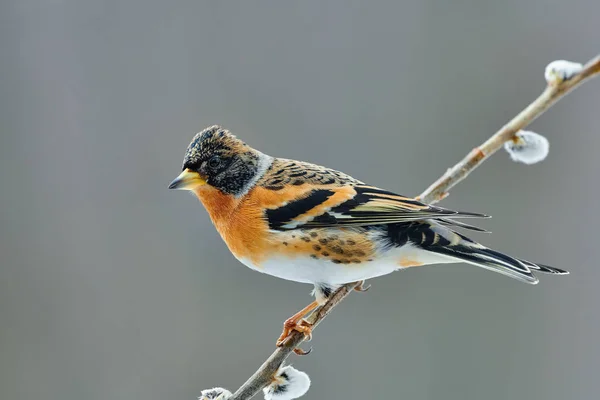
pixel 307 223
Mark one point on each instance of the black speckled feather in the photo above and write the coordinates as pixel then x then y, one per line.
pixel 369 206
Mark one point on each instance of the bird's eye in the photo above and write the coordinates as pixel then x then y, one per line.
pixel 214 162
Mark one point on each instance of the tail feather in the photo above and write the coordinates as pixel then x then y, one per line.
pixel 454 223
pixel 436 237
pixel 546 269
pixel 480 256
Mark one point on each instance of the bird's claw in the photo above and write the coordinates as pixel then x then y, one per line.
pixel 291 325
pixel 301 352
pixel 360 287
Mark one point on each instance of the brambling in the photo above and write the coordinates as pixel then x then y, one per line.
pixel 306 223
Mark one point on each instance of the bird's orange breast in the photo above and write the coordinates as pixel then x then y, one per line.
pixel 242 224
pixel 242 227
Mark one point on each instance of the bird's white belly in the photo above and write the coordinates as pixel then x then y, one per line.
pixel 309 270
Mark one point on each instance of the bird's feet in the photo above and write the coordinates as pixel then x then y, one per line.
pixel 295 324
pixel 360 287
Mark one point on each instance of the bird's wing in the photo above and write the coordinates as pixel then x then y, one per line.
pixel 340 205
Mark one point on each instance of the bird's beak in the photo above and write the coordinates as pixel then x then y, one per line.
pixel 187 180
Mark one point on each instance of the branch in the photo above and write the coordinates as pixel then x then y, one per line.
pixel 554 91
pixel 264 375
pixel 560 83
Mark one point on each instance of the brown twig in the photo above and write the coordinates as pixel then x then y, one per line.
pixel 264 375
pixel 434 193
pixel 554 92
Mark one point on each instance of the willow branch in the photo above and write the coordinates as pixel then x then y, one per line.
pixel 554 92
pixel 264 375
pixel 434 193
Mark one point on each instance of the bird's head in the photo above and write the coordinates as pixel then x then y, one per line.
pixel 217 158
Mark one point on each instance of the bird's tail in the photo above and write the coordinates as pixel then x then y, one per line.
pixel 476 254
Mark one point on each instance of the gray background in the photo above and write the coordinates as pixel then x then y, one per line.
pixel 113 287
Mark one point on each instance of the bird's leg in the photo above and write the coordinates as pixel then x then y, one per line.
pixel 297 323
pixel 360 287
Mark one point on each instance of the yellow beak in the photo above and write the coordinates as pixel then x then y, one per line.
pixel 187 180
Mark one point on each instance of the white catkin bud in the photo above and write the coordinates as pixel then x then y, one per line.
pixel 289 383
pixel 215 394
pixel 527 147
pixel 560 70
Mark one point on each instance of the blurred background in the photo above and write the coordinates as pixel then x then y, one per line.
pixel 113 287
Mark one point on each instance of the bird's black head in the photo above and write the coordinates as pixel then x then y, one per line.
pixel 217 158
